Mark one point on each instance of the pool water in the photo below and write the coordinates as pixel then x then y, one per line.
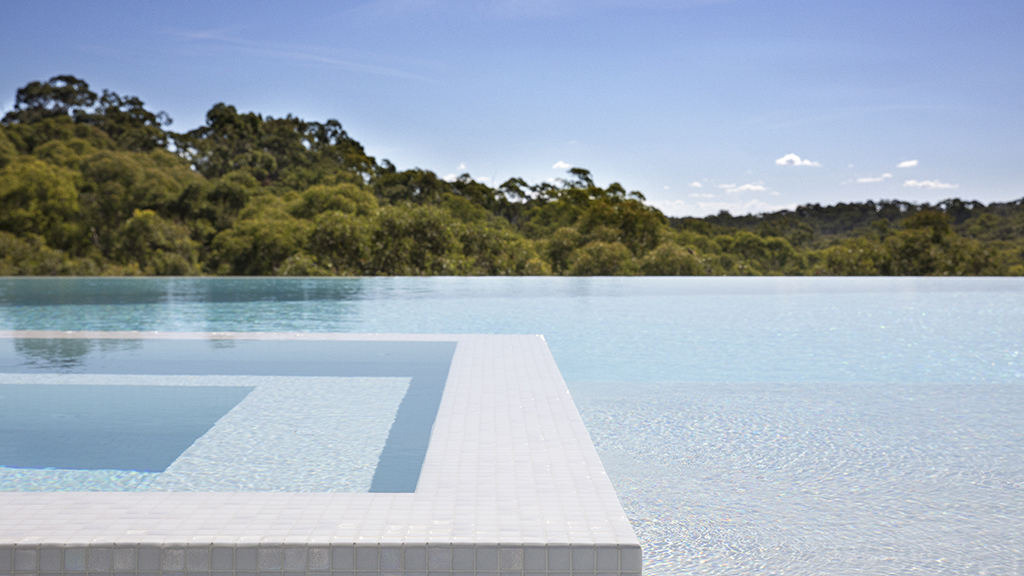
pixel 105 427
pixel 217 414
pixel 750 425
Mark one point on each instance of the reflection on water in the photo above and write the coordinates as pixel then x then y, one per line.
pixel 61 355
pixel 171 291
pixel 600 329
pixel 55 354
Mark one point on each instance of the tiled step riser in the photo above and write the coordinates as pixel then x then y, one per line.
pixel 346 560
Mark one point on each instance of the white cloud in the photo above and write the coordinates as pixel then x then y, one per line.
pixel 871 179
pixel 747 188
pixel 734 189
pixel 696 185
pixel 701 195
pixel 794 160
pixel 928 184
pixel 705 208
pixel 462 166
pixel 907 164
pixel 450 178
pixel 561 166
pixel 665 187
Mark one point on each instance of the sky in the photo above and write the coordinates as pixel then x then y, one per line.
pixel 748 106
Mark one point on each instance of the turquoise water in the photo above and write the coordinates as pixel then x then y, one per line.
pixel 750 425
pixel 168 416
pixel 104 427
pixel 600 329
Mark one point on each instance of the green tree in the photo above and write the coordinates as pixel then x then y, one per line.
pixel 599 258
pixel 921 252
pixel 287 150
pixel 58 96
pixel 65 153
pixel 127 121
pixel 560 246
pixel 28 255
pixel 854 257
pixel 118 183
pixel 417 186
pixel 415 241
pixel 302 264
pixel 464 209
pixel 637 225
pixel 156 246
pixel 760 255
pixel 496 251
pixel 258 246
pixel 27 137
pixel 42 199
pixel 260 240
pixel 671 259
pixel 341 242
pixel 8 152
pixel 345 197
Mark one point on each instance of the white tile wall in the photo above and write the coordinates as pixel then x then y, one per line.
pixel 511 485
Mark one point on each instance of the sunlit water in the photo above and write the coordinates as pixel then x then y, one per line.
pixel 751 426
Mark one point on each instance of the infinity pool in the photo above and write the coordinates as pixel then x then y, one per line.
pixel 772 425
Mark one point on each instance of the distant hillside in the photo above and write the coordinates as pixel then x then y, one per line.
pixel 1002 221
pixel 97 184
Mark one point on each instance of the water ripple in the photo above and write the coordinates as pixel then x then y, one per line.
pixel 814 479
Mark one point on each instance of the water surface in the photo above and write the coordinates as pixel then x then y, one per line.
pixel 750 425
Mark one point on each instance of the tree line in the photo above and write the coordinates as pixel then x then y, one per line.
pixel 97 184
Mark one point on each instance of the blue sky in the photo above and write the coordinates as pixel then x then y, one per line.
pixel 747 105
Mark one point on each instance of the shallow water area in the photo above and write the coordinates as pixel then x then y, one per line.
pixel 116 411
pixel 277 438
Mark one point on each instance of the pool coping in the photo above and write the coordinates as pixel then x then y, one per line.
pixel 511 484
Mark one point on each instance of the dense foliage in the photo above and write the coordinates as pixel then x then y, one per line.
pixel 97 184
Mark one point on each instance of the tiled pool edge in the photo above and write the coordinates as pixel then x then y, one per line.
pixel 339 560
pixel 511 484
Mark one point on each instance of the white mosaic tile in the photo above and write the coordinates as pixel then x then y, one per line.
pixel 511 484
